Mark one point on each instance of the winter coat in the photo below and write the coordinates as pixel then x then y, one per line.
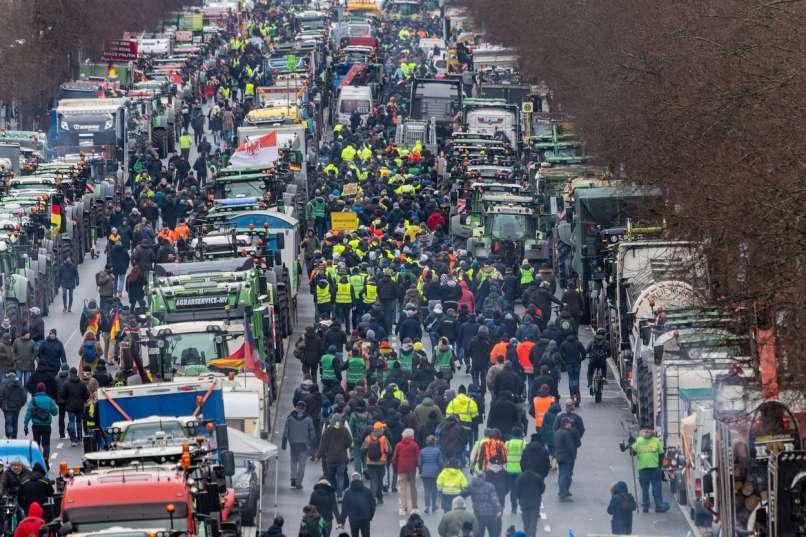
pixel 334 445
pixel 37 328
pixel 572 352
pixel 430 462
pixel 45 403
pixel 313 349
pixel 504 415
pixel 358 503
pixel 12 395
pixel 535 457
pixel 24 354
pixel 424 409
pixel 566 443
pixel 299 430
pixel 480 348
pixel 106 283
pixel 529 488
pixel 485 498
pixel 31 524
pixel 414 527
pixel 45 378
pixel 406 456
pixel 452 522
pixel 51 355
pixel 61 379
pixel 410 328
pixel 74 393
pixel 621 507
pixel 68 276
pixel 144 257
pixel 507 381
pixel 6 355
pixel 323 498
pixel 119 257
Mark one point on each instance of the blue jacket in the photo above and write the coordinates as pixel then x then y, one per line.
pixel 430 463
pixel 44 402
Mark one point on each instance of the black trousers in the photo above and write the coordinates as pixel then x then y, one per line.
pixel 41 435
pixel 357 526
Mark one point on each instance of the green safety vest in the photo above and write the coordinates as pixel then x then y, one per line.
pixel 185 141
pixel 355 370
pixel 371 294
pixel 357 281
pixel 648 451
pixel 527 276
pixel 406 362
pixel 328 372
pixel 323 294
pixel 343 294
pixel 514 452
pixel 443 361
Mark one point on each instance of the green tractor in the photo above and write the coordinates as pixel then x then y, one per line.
pixel 509 232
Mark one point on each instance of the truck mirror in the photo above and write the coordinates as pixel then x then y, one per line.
pixel 708 484
pixel 658 354
pixel 280 241
pixel 646 332
pixel 278 258
pixel 228 463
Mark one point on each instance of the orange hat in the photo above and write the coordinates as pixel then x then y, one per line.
pixel 378 426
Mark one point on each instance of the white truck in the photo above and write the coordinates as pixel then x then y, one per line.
pixel 491 117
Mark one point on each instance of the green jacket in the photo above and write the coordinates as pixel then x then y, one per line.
pixel 648 451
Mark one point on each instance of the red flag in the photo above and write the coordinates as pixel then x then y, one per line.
pixel 252 360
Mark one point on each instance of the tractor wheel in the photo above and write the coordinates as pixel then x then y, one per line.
pixel 14 314
pixel 645 395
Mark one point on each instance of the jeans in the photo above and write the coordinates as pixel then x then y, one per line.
pixel 74 428
pixel 299 455
pixel 530 518
pixel 389 308
pixel 336 475
pixel 430 488
pixel 408 480
pixel 120 282
pixel 566 471
pixel 489 523
pixel 573 380
pixel 376 474
pixel 12 419
pixel 357 526
pixel 67 298
pixel 647 477
pixel 42 437
pixel 343 315
pixel 479 375
pixel 447 502
pixel 23 376
pixel 513 494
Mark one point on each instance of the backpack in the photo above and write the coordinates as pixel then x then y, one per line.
pixel 374 450
pixel 88 351
pixel 566 325
pixel 38 412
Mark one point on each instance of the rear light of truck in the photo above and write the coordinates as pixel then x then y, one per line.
pixel 698 488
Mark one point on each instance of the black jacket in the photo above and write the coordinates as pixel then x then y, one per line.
pixel 386 289
pixel 35 487
pixel 51 355
pixel 323 498
pixel 358 504
pixel 120 259
pixel 12 395
pixel 74 393
pixel 504 415
pixel 535 457
pixel 572 352
pixel 508 380
pixel 566 442
pixel 68 276
pixel 480 348
pixel 47 379
pixel 529 488
pixel 410 328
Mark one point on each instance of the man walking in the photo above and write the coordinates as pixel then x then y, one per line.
pixel 529 487
pixel 334 450
pixel 68 281
pixel 566 443
pixel 649 449
pixel 376 449
pixel 572 353
pixel 12 398
pixel 486 506
pixel 298 432
pixel 75 395
pixel 41 409
pixel 358 507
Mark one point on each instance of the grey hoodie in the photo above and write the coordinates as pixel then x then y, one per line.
pixel 485 499
pixel 299 431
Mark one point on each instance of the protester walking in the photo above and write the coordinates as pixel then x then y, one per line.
pixel 300 435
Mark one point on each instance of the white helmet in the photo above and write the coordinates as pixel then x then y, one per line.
pixel 35 311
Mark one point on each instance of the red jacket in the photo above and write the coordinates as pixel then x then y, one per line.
pixel 405 456
pixel 467 299
pixel 29 526
pixel 435 220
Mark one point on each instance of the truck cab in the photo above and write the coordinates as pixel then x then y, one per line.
pixel 352 99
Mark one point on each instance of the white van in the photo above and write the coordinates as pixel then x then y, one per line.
pixel 353 98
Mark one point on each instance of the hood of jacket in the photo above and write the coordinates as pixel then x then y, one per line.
pixel 324 489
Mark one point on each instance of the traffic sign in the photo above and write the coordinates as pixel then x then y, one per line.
pixel 527 107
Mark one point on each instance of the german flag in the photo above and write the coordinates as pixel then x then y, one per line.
pixel 115 330
pixel 55 217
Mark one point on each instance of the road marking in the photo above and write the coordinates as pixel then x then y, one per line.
pixel 547 528
pixel 53 455
pixel 59 445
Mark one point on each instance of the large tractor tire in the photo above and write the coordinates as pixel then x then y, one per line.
pixel 160 139
pixel 645 395
pixel 14 314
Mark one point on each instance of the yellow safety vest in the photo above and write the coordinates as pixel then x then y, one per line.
pixel 185 141
pixel 370 293
pixel 344 294
pixel 250 89
pixel 323 294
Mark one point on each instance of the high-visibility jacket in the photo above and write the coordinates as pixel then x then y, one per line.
pixel 323 295
pixel 397 394
pixel 515 449
pixel 357 281
pixel 523 351
pixel 344 293
pixel 498 348
pixel 371 295
pixel 406 361
pixel 364 153
pixel 249 89
pixel 463 407
pixel 181 231
pixel 451 481
pixel 541 405
pixel 648 450
pixel 443 361
pixel 185 141
pixel 384 448
pixel 90 419
pixel 527 276
pixel 356 369
pixel 348 153
pixel 328 366
pixel 486 449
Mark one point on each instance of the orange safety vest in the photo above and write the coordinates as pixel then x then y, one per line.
pixel 498 348
pixel 523 351
pixel 489 448
pixel 541 405
pixel 166 234
pixel 181 231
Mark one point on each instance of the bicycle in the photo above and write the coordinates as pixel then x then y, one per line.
pixel 598 384
pixel 10 513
